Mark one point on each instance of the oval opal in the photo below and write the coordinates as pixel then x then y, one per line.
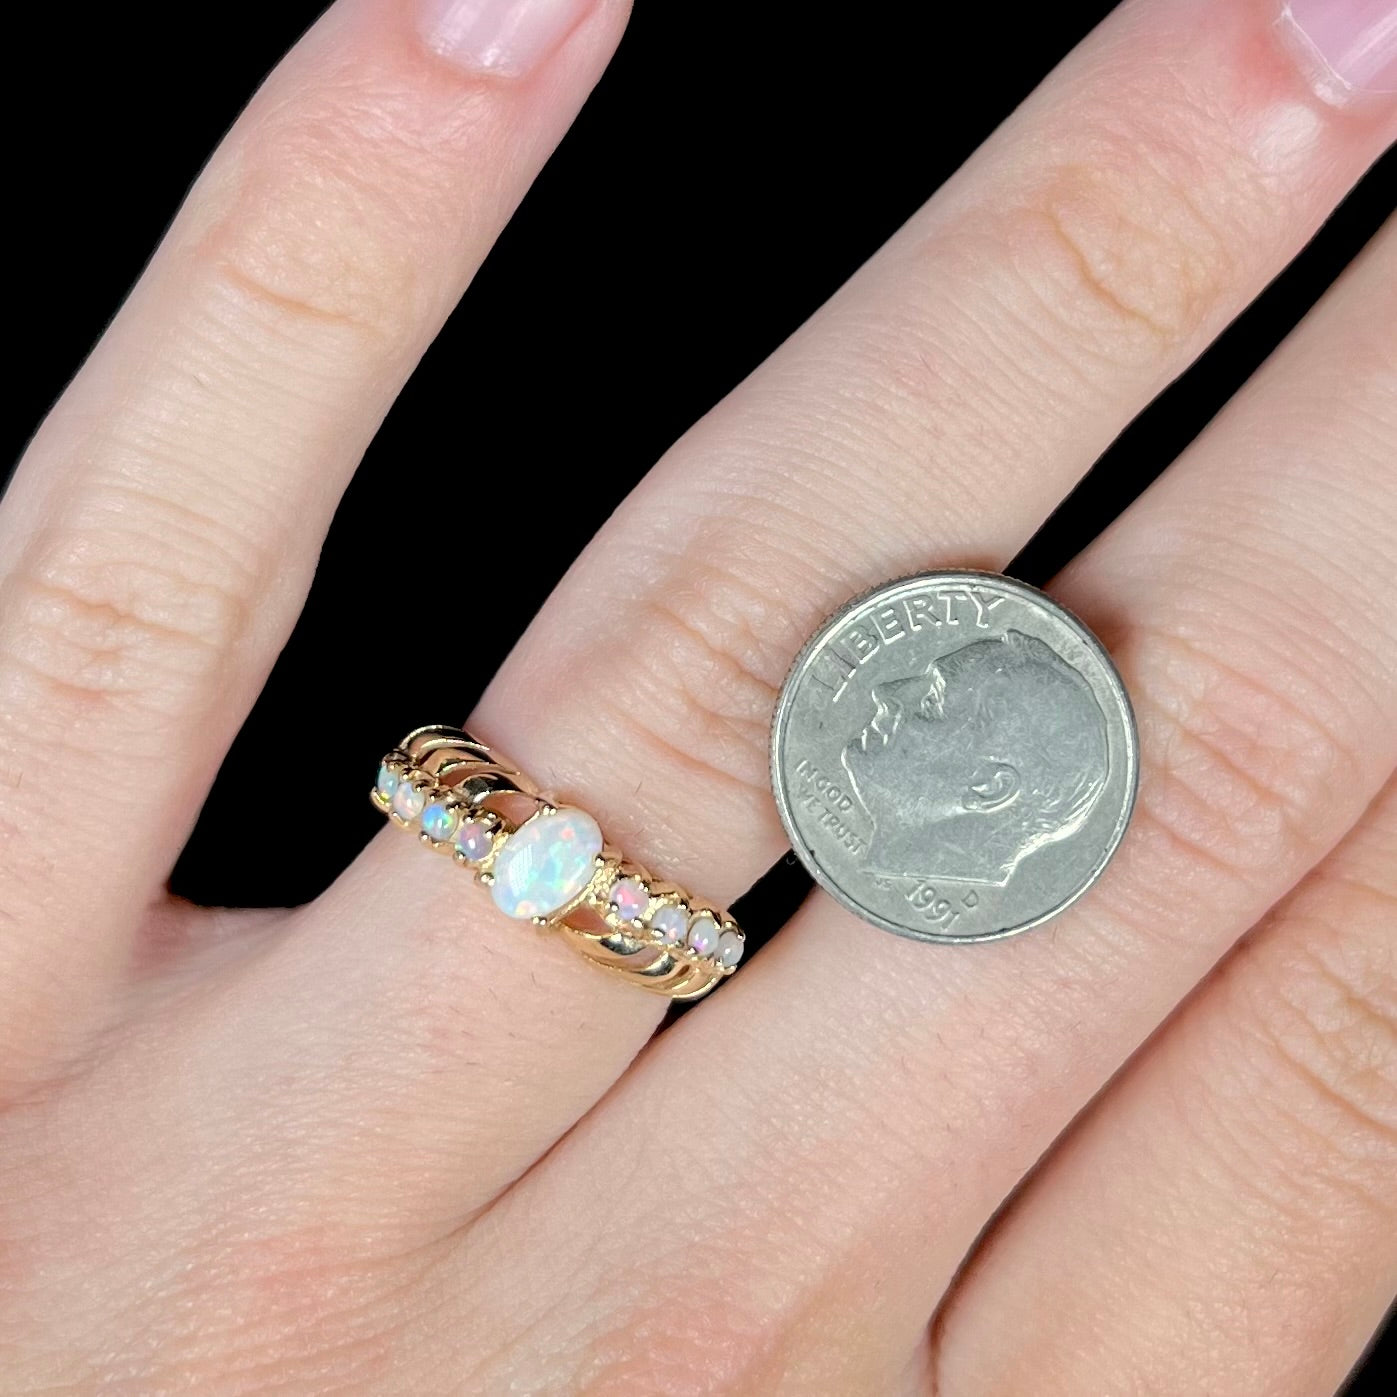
pixel 545 863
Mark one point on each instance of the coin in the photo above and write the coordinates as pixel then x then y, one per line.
pixel 954 757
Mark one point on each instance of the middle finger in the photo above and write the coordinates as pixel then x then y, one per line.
pixel 934 412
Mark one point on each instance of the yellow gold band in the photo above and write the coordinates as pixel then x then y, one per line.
pixel 549 864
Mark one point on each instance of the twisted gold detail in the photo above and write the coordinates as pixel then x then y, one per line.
pixel 465 801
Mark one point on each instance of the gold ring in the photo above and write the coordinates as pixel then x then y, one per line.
pixel 549 864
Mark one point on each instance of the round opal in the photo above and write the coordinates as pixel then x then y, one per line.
pixel 629 899
pixel 703 935
pixel 730 949
pixel 670 924
pixel 408 800
pixel 439 822
pixel 473 840
pixel 387 782
pixel 545 863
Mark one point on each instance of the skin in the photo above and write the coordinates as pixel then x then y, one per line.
pixel 386 1143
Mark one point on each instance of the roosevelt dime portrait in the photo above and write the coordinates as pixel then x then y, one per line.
pixel 954 757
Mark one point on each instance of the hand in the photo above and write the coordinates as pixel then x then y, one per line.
pixel 391 1142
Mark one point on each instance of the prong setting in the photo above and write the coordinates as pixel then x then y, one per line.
pixel 552 867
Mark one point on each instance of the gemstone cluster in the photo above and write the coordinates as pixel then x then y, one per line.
pixel 553 863
pixel 668 922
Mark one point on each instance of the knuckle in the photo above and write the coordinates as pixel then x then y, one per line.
pixel 1244 773
pixel 1324 1018
pixel 123 614
pixel 1127 246
pixel 716 642
pixel 332 221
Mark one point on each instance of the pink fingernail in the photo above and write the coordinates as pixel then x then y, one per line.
pixel 1350 44
pixel 497 36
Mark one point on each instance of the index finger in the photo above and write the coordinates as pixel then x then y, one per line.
pixel 160 533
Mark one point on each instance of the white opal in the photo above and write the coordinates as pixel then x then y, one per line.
pixel 670 924
pixel 730 949
pixel 439 822
pixel 545 863
pixel 408 800
pixel 629 899
pixel 473 839
pixel 387 782
pixel 703 935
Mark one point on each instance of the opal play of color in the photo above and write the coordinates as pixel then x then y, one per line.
pixel 449 793
pixel 629 899
pixel 730 948
pixel 545 863
pixel 439 822
pixel 408 800
pixel 670 924
pixel 473 840
pixel 703 935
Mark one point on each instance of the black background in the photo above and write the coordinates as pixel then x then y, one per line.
pixel 725 178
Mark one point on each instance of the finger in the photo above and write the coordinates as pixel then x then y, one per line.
pixel 935 411
pixel 161 532
pixel 1224 1219
pixel 858 1105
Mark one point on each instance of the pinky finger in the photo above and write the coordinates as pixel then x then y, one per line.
pixel 1225 1220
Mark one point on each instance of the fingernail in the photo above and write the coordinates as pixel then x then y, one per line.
pixel 1351 45
pixel 508 37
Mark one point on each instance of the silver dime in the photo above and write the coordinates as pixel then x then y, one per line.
pixel 954 757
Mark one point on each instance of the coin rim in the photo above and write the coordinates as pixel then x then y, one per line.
pixel 942 577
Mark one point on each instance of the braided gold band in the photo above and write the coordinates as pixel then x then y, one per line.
pixel 549 864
